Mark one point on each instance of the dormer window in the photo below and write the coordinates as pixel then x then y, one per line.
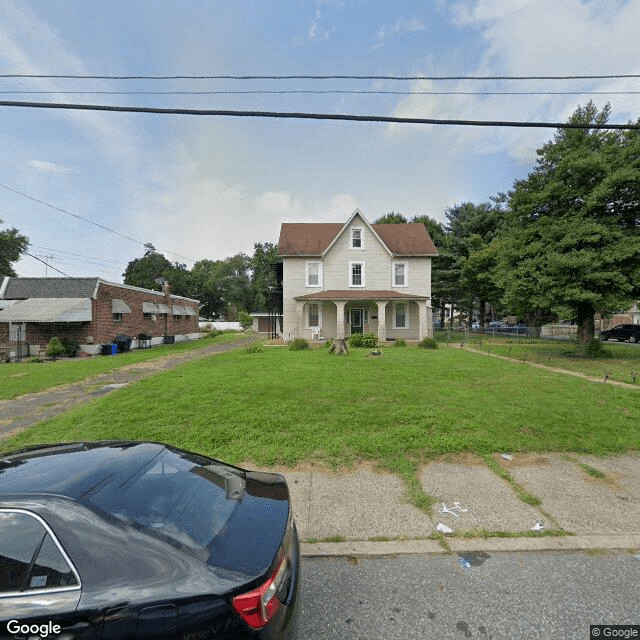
pixel 357 241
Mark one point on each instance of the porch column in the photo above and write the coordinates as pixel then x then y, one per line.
pixel 429 319
pixel 297 332
pixel 422 320
pixel 340 318
pixel 382 320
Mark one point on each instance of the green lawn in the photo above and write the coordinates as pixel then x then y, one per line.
pixel 623 365
pixel 16 379
pixel 282 406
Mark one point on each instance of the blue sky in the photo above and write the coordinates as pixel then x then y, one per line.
pixel 204 187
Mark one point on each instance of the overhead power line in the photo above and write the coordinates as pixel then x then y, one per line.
pixel 325 91
pixel 315 77
pixel 308 116
pixel 96 224
pixel 46 263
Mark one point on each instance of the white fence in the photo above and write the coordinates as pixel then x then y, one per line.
pixel 220 325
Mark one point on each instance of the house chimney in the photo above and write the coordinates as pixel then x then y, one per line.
pixel 166 288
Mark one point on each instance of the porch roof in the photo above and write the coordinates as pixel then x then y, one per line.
pixel 48 310
pixel 355 294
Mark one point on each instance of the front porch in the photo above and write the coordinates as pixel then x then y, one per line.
pixel 388 314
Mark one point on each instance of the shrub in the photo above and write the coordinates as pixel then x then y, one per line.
pixel 595 349
pixel 35 360
pixel 55 349
pixel 363 340
pixel 245 320
pixel 298 344
pixel 428 343
pixel 71 347
pixel 399 343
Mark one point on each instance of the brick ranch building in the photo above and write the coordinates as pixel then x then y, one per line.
pixel 90 311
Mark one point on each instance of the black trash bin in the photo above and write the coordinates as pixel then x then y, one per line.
pixel 144 340
pixel 169 339
pixel 123 342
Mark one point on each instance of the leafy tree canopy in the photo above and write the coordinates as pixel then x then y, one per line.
pixel 391 218
pixel 571 244
pixel 12 245
pixel 143 272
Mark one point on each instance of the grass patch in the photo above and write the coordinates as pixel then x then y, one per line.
pixel 622 365
pixel 17 379
pixel 594 473
pixel 524 495
pixel 327 539
pixel 285 407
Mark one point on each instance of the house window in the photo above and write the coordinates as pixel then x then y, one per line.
pixel 313 315
pixel 357 241
pixel 401 316
pixel 356 274
pixel 147 316
pixel 400 274
pixel 117 317
pixel 313 274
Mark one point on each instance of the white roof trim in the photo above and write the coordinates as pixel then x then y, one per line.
pixel 356 212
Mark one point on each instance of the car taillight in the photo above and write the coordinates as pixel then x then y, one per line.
pixel 257 607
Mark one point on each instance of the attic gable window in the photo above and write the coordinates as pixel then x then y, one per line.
pixel 357 240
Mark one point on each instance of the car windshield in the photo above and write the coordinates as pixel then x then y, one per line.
pixel 173 498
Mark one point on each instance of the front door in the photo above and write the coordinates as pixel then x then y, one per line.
pixel 356 320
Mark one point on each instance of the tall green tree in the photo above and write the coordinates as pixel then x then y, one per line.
pixel 572 242
pixel 472 228
pixel 222 285
pixel 263 274
pixel 12 245
pixel 143 272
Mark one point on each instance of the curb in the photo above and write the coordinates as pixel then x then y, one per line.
pixel 363 548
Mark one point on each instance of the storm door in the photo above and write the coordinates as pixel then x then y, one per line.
pixel 356 320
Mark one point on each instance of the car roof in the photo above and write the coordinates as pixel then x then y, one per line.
pixel 71 470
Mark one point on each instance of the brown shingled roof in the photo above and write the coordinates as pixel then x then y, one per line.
pixel 312 239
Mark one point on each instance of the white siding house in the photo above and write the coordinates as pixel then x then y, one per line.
pixel 356 277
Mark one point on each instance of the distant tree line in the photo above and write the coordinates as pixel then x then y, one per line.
pixel 224 287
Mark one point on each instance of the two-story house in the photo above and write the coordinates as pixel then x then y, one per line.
pixel 356 277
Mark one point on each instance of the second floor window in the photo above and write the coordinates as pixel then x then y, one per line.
pixel 313 274
pixel 399 274
pixel 356 278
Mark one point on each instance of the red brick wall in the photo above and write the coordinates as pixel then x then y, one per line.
pixel 103 328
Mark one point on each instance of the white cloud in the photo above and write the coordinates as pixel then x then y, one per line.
pixel 50 167
pixel 534 37
pixel 279 203
pixel 401 26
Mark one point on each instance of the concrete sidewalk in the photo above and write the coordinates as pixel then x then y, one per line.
pixel 366 507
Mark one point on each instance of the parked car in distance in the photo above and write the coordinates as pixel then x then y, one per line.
pixel 135 539
pixel 475 326
pixel 622 332
pixel 495 325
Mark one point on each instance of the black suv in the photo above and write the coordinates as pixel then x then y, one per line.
pixel 622 332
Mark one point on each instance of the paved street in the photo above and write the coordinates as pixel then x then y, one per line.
pixel 502 596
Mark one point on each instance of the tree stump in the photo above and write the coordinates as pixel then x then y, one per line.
pixel 339 346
